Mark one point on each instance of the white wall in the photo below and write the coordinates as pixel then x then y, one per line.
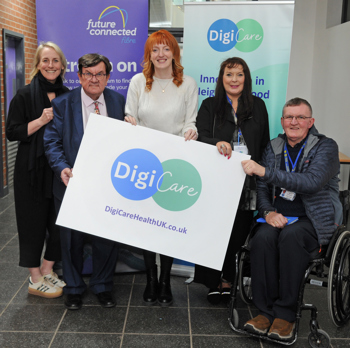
pixel 320 70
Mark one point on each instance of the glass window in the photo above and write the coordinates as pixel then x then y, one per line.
pixel 167 13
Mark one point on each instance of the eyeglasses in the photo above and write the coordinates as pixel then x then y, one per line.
pixel 298 118
pixel 89 76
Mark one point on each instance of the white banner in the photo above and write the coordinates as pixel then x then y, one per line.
pixel 154 191
pixel 260 32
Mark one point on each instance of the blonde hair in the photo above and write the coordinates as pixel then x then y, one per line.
pixel 37 57
pixel 162 37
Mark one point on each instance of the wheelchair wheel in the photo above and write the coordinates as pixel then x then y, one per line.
pixel 339 281
pixel 244 279
pixel 319 339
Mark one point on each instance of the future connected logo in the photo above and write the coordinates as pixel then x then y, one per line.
pixel 175 184
pixel 247 35
pixel 113 9
pixel 118 19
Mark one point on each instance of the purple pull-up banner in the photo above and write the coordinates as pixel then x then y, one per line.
pixel 117 29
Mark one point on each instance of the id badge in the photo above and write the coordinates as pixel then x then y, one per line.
pixel 287 195
pixel 240 148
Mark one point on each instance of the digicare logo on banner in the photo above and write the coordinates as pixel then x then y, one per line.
pixel 175 184
pixel 113 25
pixel 247 35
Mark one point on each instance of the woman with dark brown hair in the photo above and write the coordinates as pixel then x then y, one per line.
pixel 162 98
pixel 233 120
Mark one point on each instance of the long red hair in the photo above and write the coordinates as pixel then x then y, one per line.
pixel 165 38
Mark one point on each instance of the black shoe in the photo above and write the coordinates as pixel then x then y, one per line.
pixel 151 291
pixel 165 297
pixel 225 295
pixel 73 301
pixel 106 299
pixel 214 296
pixel 225 291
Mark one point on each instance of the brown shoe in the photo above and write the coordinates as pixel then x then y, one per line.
pixel 258 325
pixel 281 330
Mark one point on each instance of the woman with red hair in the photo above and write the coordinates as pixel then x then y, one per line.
pixel 162 98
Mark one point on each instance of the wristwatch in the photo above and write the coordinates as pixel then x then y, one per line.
pixel 267 212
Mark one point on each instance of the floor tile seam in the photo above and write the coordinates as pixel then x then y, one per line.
pixel 58 304
pixel 58 327
pixel 9 303
pixel 189 316
pixel 89 305
pixel 221 335
pixel 155 334
pixel 158 306
pixel 8 207
pixel 98 305
pixel 110 333
pixel 127 312
pixel 210 308
pixel 26 331
pixel 177 283
pixel 88 333
pixel 5 245
pixel 8 262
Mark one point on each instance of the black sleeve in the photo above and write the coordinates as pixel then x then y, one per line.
pixel 205 122
pixel 18 117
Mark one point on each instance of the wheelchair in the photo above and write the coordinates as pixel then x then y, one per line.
pixel 331 265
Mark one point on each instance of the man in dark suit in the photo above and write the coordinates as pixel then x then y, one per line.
pixel 62 140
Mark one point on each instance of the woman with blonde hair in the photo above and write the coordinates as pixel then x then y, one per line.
pixel 162 98
pixel 30 111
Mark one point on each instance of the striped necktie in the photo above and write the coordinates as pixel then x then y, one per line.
pixel 97 110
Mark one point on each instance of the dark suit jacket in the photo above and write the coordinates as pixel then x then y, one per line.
pixel 63 135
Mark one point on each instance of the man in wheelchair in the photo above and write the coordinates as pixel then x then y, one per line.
pixel 298 196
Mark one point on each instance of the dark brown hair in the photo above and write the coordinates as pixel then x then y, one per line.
pixel 245 106
pixel 92 59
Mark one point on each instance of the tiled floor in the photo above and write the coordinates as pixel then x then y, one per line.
pixel 33 322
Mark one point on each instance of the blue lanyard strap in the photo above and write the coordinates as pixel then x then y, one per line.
pixel 239 135
pixel 286 156
pixel 229 100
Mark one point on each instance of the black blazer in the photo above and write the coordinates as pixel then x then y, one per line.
pixel 255 129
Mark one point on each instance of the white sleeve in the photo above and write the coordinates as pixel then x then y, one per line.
pixel 133 99
pixel 191 101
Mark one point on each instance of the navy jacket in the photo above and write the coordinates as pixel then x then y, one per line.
pixel 316 181
pixel 63 135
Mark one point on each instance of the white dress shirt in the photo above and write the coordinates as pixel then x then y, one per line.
pixel 88 106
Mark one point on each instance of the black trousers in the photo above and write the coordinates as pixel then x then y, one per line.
pixel 36 222
pixel 104 258
pixel 240 230
pixel 279 258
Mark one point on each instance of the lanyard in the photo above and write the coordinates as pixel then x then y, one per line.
pixel 286 156
pixel 239 130
pixel 239 135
